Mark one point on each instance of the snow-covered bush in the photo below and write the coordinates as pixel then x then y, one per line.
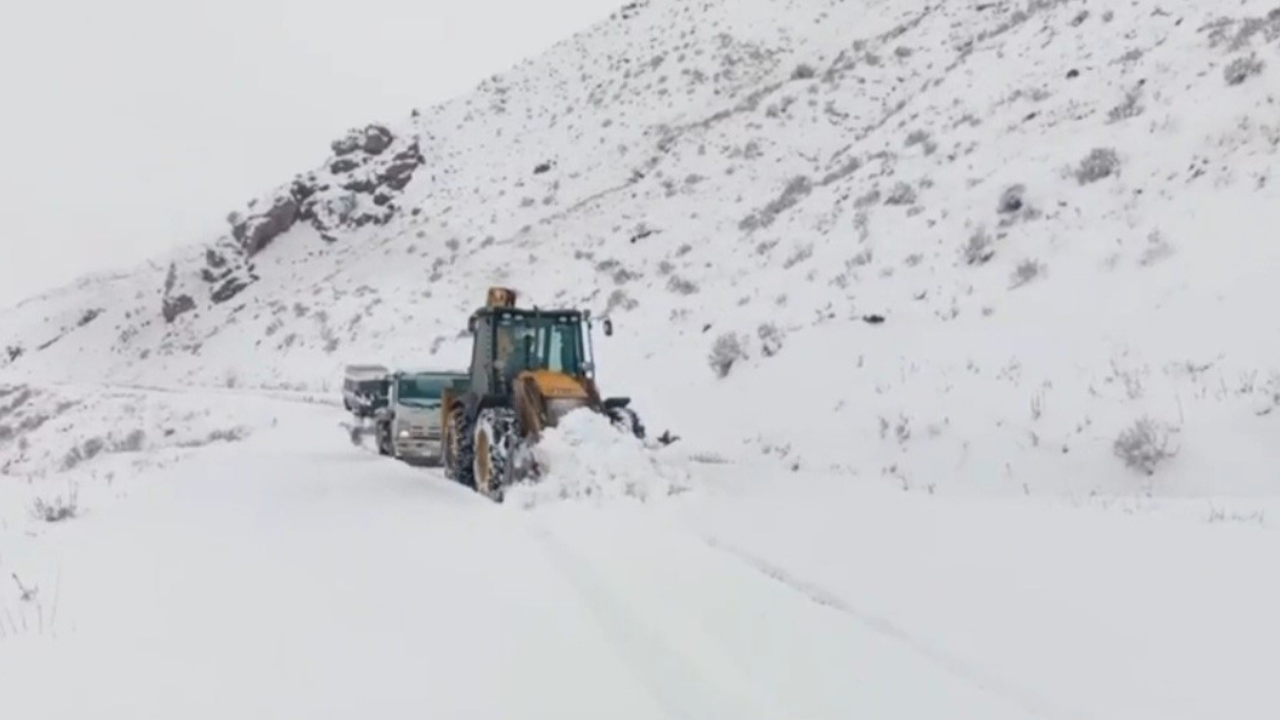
pixel 1131 107
pixel 1026 271
pixel 901 194
pixel 1242 69
pixel 770 339
pixel 681 286
pixel 728 349
pixel 84 452
pixel 1144 445
pixel 1101 163
pixel 58 509
pixel 133 442
pixel 1011 200
pixel 620 300
pixel 978 250
pixel 1157 249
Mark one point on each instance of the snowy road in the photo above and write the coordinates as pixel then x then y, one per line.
pixel 295 576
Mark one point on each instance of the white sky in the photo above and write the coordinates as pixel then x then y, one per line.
pixel 131 126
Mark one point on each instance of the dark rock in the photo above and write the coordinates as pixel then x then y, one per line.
pixel 381 199
pixel 212 277
pixel 372 139
pixel 642 234
pixel 542 168
pixel 360 186
pixel 214 259
pixel 398 174
pixel 343 165
pixel 346 145
pixel 229 289
pixel 302 190
pixel 257 231
pixel 307 212
pixel 176 306
pixel 400 171
pixel 376 139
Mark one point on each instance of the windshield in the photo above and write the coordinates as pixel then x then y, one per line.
pixel 421 389
pixel 372 388
pixel 539 343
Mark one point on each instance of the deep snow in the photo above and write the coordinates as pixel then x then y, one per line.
pixel 291 574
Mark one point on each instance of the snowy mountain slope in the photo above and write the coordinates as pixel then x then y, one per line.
pixel 1060 209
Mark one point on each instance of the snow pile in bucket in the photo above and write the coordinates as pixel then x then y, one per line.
pixel 586 457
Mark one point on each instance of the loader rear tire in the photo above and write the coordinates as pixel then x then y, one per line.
pixel 494 436
pixel 463 443
pixel 450 445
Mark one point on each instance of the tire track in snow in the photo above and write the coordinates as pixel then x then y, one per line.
pixel 670 678
pixel 960 668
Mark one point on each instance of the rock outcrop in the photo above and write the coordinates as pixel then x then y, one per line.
pixel 358 186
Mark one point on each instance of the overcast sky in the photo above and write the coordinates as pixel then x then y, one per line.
pixel 131 126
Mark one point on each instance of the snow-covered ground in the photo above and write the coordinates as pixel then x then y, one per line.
pixel 292 574
pixel 962 312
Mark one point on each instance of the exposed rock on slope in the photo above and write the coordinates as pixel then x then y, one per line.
pixel 1036 198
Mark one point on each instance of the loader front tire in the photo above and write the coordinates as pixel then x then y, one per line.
pixel 494 435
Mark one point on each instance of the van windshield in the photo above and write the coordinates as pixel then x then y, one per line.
pixel 422 389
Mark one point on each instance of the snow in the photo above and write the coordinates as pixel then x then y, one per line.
pixel 291 574
pixel 699 184
pixel 1062 214
pixel 587 458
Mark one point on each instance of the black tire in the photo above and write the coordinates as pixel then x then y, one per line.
pixel 382 438
pixel 464 459
pixel 451 437
pixel 493 435
pixel 626 420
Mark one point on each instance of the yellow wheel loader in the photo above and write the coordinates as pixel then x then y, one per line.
pixel 529 368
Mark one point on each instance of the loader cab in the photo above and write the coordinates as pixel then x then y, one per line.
pixel 508 341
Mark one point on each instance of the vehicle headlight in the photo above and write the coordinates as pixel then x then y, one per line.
pixel 404 433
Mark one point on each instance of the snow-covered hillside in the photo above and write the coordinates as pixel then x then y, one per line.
pixel 962 312
pixel 1061 210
